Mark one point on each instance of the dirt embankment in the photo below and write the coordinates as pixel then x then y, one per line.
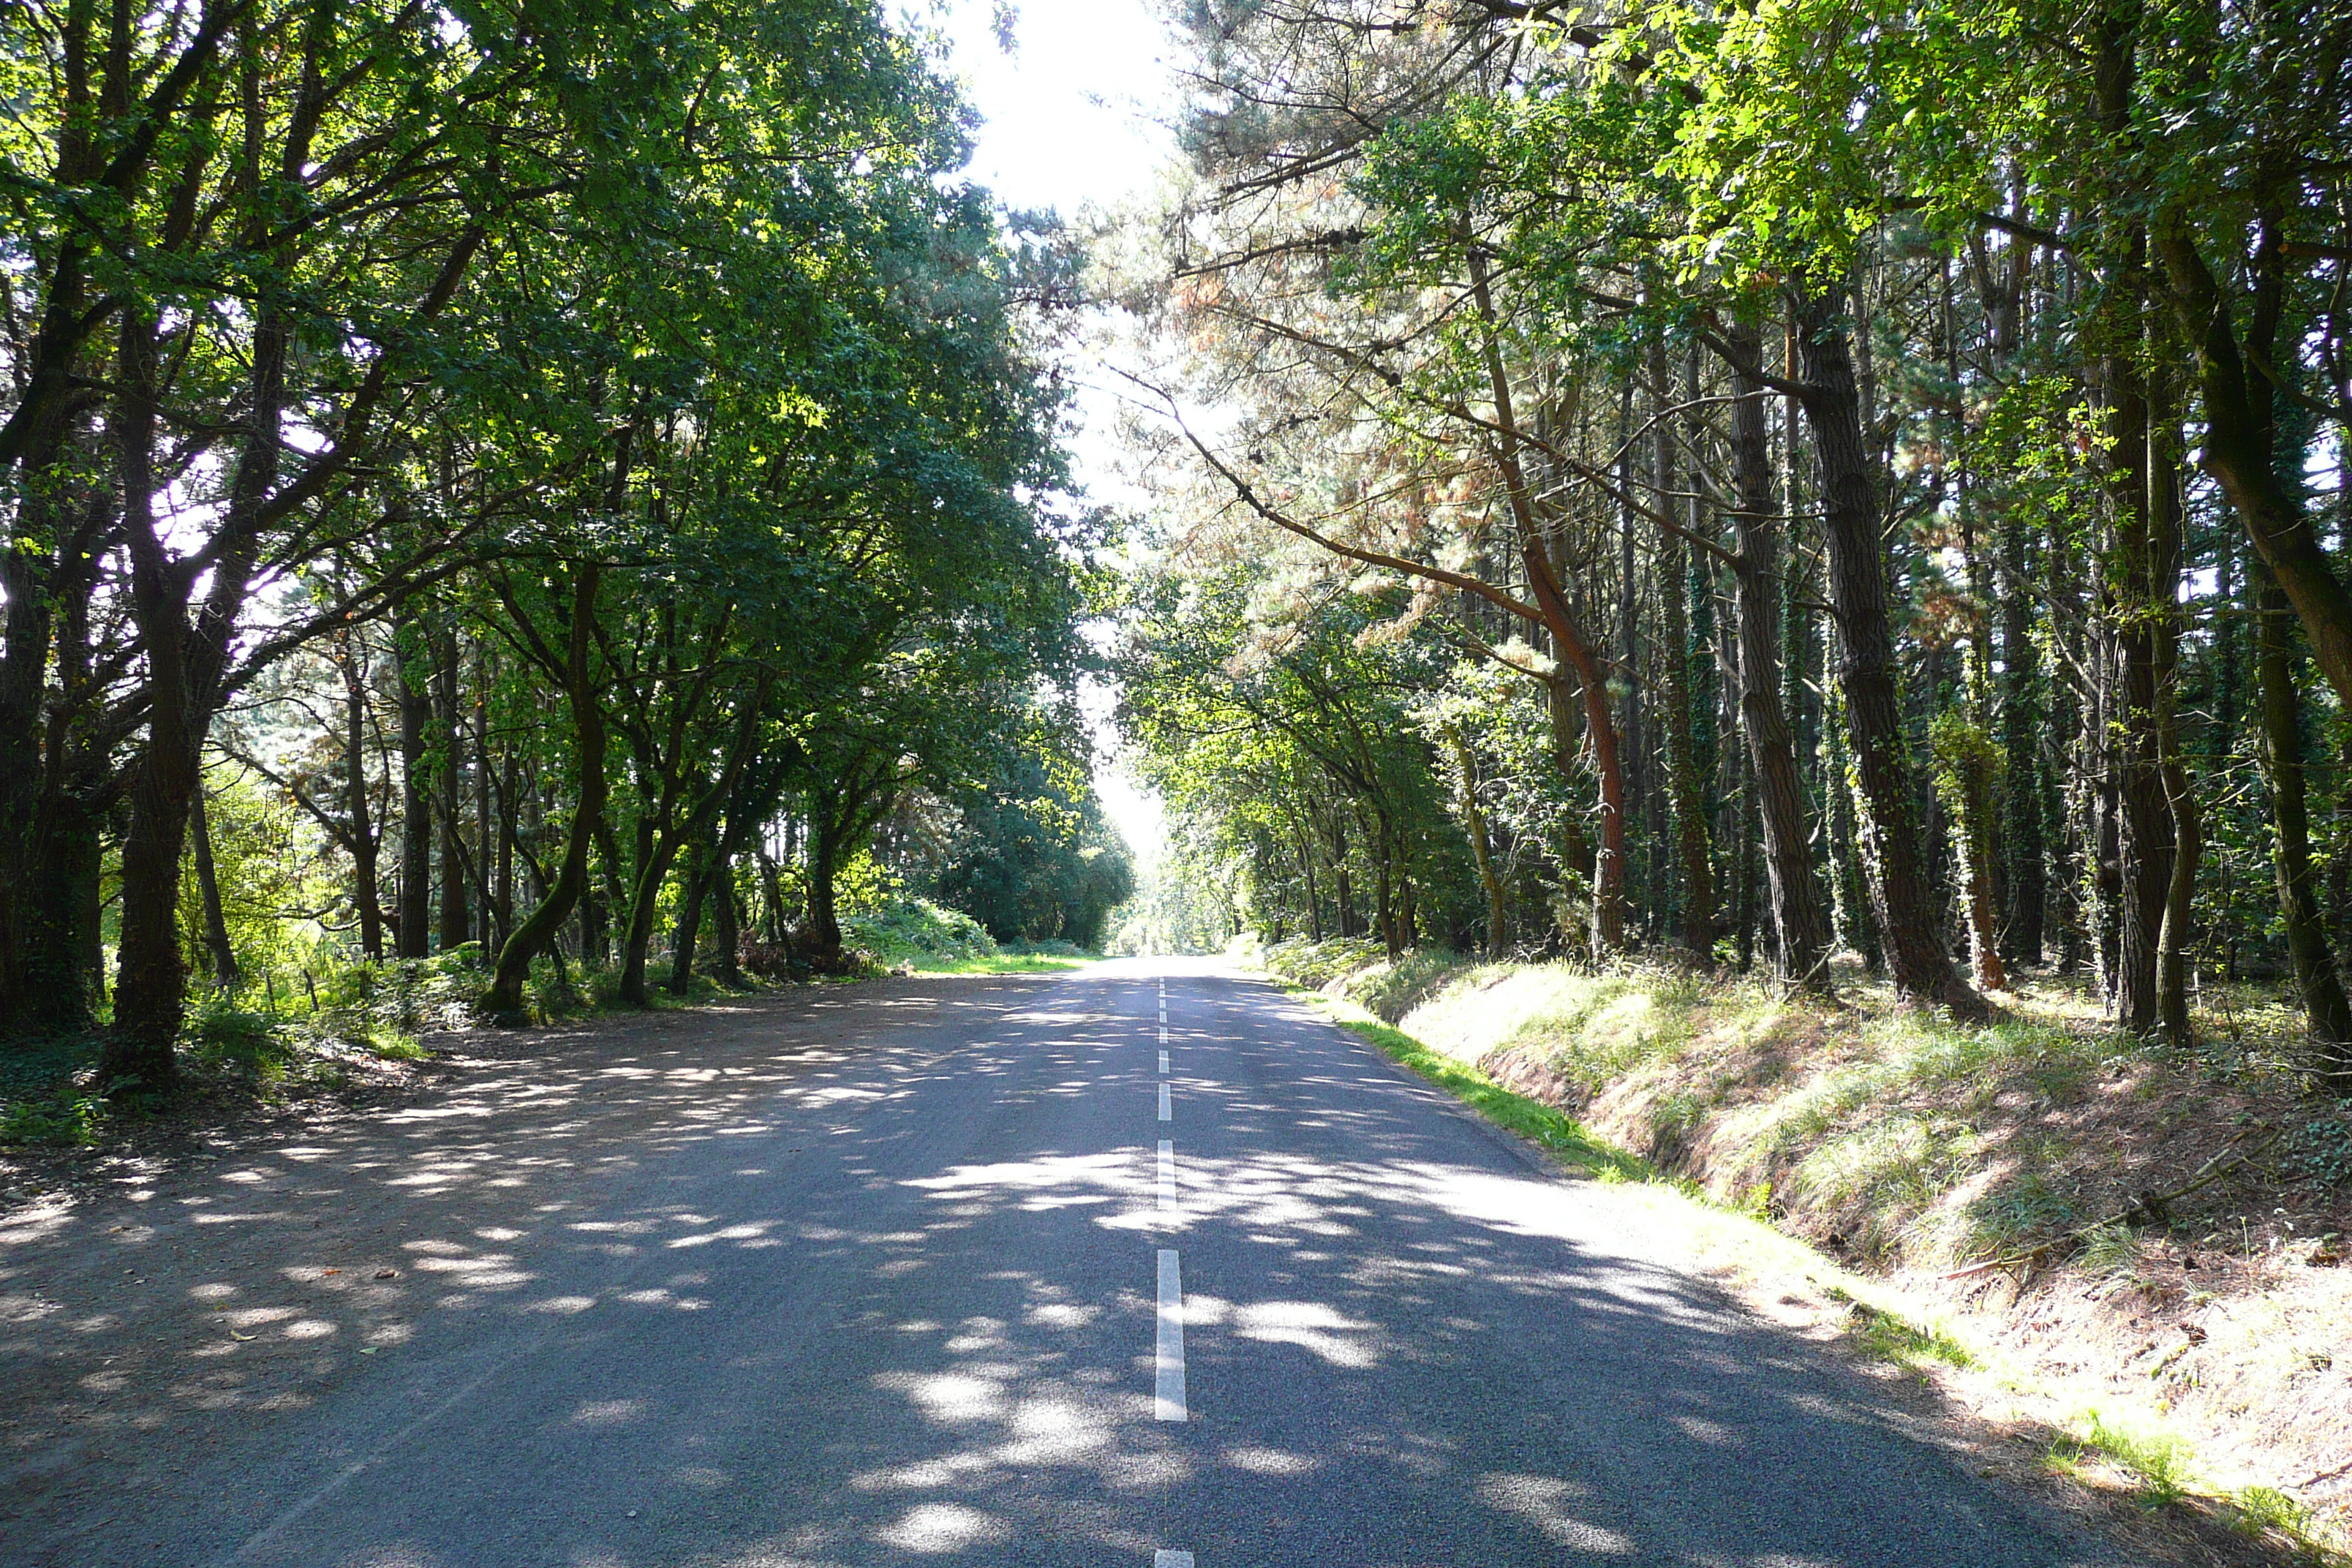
pixel 2147 1244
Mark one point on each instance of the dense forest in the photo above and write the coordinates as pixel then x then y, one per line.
pixel 511 489
pixel 1763 483
pixel 586 489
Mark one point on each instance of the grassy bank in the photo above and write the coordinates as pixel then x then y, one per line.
pixel 2135 1251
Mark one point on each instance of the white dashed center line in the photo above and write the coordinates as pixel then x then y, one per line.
pixel 1167 1392
pixel 1172 1560
pixel 1167 1175
pixel 1163 1103
pixel 1163 1061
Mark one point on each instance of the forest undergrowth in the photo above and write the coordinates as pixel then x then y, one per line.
pixel 350 1030
pixel 2139 1250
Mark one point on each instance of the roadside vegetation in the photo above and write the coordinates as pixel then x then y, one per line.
pixel 1810 542
pixel 2143 1252
pixel 510 518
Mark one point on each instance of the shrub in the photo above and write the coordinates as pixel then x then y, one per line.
pixel 911 931
pixel 68 1116
pixel 218 1033
pixel 1318 963
pixel 1392 989
pixel 1049 947
pixel 775 960
pixel 2321 1150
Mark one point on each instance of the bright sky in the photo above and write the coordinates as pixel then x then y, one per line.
pixel 1075 117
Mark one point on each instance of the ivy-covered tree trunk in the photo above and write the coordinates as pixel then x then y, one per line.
pixel 2003 283
pixel 1641 857
pixel 538 931
pixel 1800 935
pixel 2141 608
pixel 508 827
pixel 2238 448
pixel 2328 1015
pixel 1474 825
pixel 1687 794
pixel 821 933
pixel 686 934
pixel 488 927
pixel 726 935
pixel 412 932
pixel 457 923
pixel 2164 464
pixel 1559 620
pixel 366 883
pixel 220 953
pixel 150 971
pixel 1887 827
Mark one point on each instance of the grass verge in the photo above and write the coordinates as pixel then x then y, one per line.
pixel 1001 963
pixel 2156 1469
pixel 1552 1129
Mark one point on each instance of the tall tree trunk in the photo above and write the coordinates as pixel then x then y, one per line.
pixel 771 891
pixel 726 934
pixel 2164 464
pixel 492 926
pixel 219 951
pixel 1968 773
pixel 1629 638
pixel 2141 609
pixel 413 935
pixel 2068 805
pixel 2328 1015
pixel 365 882
pixel 1685 789
pixel 658 850
pixel 1307 872
pixel 509 810
pixel 538 931
pixel 1568 638
pixel 688 932
pixel 150 970
pixel 456 921
pixel 2239 445
pixel 89 898
pixel 1474 823
pixel 2222 739
pixel 652 870
pixel 1342 888
pixel 44 451
pixel 1888 820
pixel 41 990
pixel 2102 796
pixel 1800 935
pixel 188 658
pixel 822 928
pixel 2023 879
pixel 1850 904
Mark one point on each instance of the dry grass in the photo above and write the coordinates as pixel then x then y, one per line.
pixel 1997 1176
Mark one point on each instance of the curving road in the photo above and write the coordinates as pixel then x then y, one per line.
pixel 953 1302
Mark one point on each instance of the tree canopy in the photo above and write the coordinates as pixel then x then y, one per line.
pixel 1778 480
pixel 588 462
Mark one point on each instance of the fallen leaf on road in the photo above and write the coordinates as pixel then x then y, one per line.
pixel 234 1335
pixel 387 1273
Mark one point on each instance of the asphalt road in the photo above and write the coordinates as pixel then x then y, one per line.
pixel 952 1309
